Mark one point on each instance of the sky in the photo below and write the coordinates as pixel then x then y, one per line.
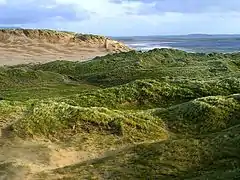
pixel 124 17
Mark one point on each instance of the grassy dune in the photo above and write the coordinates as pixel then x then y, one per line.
pixel 156 64
pixel 162 114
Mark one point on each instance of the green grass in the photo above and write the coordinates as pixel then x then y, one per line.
pixel 22 77
pixel 61 120
pixel 156 64
pixel 210 157
pixel 22 83
pixel 144 94
pixel 201 116
pixel 44 91
pixel 170 114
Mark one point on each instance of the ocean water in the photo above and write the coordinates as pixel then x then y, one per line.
pixel 189 43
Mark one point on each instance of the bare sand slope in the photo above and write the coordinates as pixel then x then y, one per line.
pixel 21 46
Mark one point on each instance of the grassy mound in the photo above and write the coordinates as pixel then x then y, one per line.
pixel 23 83
pixel 140 94
pixel 60 120
pixel 143 94
pixel 203 115
pixel 23 76
pixel 156 64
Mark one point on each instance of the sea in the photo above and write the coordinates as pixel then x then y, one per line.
pixel 189 43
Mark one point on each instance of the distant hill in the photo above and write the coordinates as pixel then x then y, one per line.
pixel 213 35
pixel 199 35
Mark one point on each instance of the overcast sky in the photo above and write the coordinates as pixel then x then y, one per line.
pixel 125 17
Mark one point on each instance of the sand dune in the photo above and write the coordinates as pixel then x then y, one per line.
pixel 22 46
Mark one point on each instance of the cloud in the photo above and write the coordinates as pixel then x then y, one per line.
pixel 124 17
pixel 34 11
pixel 184 6
pixel 101 8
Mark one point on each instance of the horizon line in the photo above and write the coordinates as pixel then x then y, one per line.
pixel 152 35
pixel 191 34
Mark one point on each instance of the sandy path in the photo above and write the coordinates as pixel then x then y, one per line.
pixel 35 157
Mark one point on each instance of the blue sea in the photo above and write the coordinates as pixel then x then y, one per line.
pixel 189 43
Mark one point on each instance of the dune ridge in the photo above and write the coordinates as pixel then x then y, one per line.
pixel 21 46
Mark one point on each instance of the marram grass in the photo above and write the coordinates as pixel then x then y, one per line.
pixel 61 120
pixel 172 114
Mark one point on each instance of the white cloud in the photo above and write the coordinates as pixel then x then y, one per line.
pixel 126 18
pixel 34 11
pixel 104 8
